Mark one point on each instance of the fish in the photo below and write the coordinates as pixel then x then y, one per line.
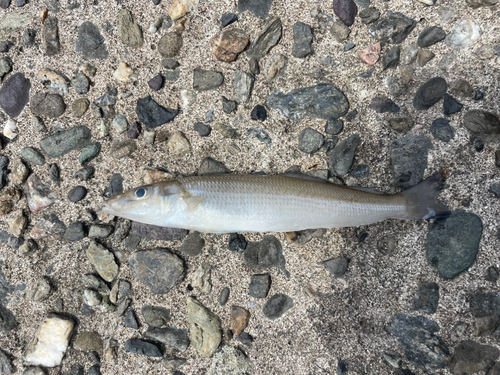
pixel 236 203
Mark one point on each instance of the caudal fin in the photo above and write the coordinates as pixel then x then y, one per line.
pixel 422 199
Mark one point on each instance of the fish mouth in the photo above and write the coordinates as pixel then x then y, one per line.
pixel 106 208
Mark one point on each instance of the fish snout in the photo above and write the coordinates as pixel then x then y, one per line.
pixel 115 205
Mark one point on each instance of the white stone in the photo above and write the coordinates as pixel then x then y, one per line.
pixel 188 97
pixel 428 2
pixel 464 33
pixel 91 297
pixel 123 72
pixel 120 123
pixel 180 7
pixel 10 129
pixel 51 341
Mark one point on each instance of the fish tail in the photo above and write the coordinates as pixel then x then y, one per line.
pixel 422 200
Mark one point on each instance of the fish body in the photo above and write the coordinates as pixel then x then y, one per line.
pixel 256 203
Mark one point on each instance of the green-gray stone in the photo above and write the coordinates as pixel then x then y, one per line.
pixel 204 328
pixel 103 260
pixel 32 155
pixel 65 141
pixel 90 152
pixel 453 242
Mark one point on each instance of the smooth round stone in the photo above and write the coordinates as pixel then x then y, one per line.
pixel 310 140
pixel 224 296
pixel 430 93
pixel 33 155
pixel 442 130
pixel 334 126
pixel 277 306
pixel 202 129
pixel 77 194
pixel 463 34
pixel 170 44
pixel 430 35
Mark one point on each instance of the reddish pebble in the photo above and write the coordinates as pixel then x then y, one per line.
pixel 156 83
pixel 370 55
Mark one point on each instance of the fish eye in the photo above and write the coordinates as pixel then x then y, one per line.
pixel 140 193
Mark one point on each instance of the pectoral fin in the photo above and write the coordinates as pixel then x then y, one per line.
pixel 192 202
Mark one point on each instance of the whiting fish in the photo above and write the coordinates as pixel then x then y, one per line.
pixel 283 203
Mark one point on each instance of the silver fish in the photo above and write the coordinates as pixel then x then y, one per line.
pixel 255 203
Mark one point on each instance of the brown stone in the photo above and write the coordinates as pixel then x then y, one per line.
pixel 370 55
pixel 229 44
pixel 239 319
pixel 89 341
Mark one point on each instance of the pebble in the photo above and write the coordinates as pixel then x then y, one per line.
pixel 104 106
pixel 382 104
pixel 123 149
pixel 260 285
pixel 202 129
pixel 34 370
pixel 227 19
pixel 170 44
pixel 340 32
pixel 451 105
pixel 442 130
pixel 5 66
pixel 151 114
pixel 495 189
pixel 129 32
pixel 50 343
pixel 302 39
pixel 239 319
pixel 5 46
pixel 266 39
pixel 40 196
pixel 371 54
pixel 465 33
pixel 485 52
pixel 89 153
pixel 369 15
pixel 334 126
pixel 178 143
pixel 50 37
pixel 230 361
pixel 159 270
pixel 192 244
pixel 409 160
pixel 91 297
pixel 427 298
pixel 156 83
pixel 55 82
pixel 104 128
pixel 19 172
pixel 394 28
pixel 452 243
pixel 120 123
pixel 447 61
pixel 342 155
pixel 204 80
pixel 424 56
pixel 349 46
pixel 103 261
pixel 336 266
pixel 394 86
pixel 171 336
pixel 323 101
pixel 89 341
pixel 123 72
pixel 75 232
pixel 243 85
pixel 41 291
pixel 430 36
pixel 155 316
pixel 428 2
pixel 416 336
pixel 204 328
pixel 62 142
pixel 302 237
pixel 48 105
pixel 81 84
pixel 181 7
pixel 471 357
pixel 100 230
pixel 138 346
pixel 14 94
pixel 77 194
pixel 134 131
pixel 80 106
pixel 264 254
pixel 410 54
pixel 90 43
pixel 310 140
pixel 201 278
pixel 406 74
pixel 86 173
pixel 429 93
pixel 492 274
pixel 479 3
pixel 345 10
pixel 483 125
pixel 18 223
pixel 224 296
pixel 391 58
pixel 237 243
pixel 275 66
pixel 277 306
pixel 229 44
pixel 130 320
pixel 10 129
pixel 32 155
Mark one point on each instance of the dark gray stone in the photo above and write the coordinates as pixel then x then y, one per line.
pixel 6 366
pixel 442 130
pixel 453 243
pixel 431 35
pixel 427 298
pixel 260 285
pixel 158 233
pixel 14 94
pixel 495 189
pixel 95 370
pixel 212 166
pixel 50 37
pixel 471 357
pixel 171 336
pixel 361 171
pixel 204 80
pixel 302 40
pixel 115 187
pixel 86 173
pixel 156 82
pixel 90 42
pixel 266 39
pixel 4 162
pixel 260 134
pixel 192 245
pixel 310 140
pixel 75 232
pixel 342 155
pixel 265 254
pixel 151 114
pixel 245 338
pixel 258 113
pixel 409 160
pixel 138 346
pixel 334 126
pixel 130 320
pixel 430 93
pixel 336 266
pixel 224 296
pixel 369 15
pixel 482 125
pixel 329 144
pixel 5 46
pixel 89 152
pixel 65 141
pixel 345 10
pixel 55 174
pixel 451 105
pixel 81 84
pixel 155 316
pixel 131 242
pixel 4 4
pixel 277 306
pixel 259 8
pixel 170 63
pixel 382 104
pixel 134 131
pixel 237 243
pixel 202 129
pixel 159 270
pixel 77 194
pixel 323 100
pixel 32 155
pixel 391 58
pixel 228 18
pixel 53 6
pixel 393 28
pixel 228 106
pixel 417 338
pixel 104 106
pixel 492 274
pixel 49 105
